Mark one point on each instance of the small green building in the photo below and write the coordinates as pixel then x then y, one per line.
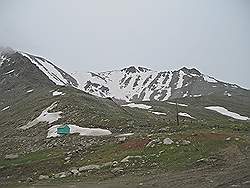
pixel 63 130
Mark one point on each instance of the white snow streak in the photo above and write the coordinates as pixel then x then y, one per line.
pixel 125 134
pixel 209 79
pixel 197 95
pixel 185 115
pixel 226 112
pixel 179 104
pixel 9 72
pixel 29 91
pixel 181 79
pixel 7 107
pixel 133 105
pixel 48 69
pixel 56 93
pixel 168 94
pixel 159 113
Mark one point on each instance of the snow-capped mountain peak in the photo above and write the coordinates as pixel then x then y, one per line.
pixel 133 83
pixel 134 69
pixel 143 84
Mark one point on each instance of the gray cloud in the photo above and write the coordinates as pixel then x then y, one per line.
pixel 98 35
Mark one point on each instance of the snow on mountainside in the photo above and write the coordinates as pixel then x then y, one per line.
pixel 128 84
pixel 55 74
pixel 142 84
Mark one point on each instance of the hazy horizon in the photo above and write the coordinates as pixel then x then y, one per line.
pixel 211 36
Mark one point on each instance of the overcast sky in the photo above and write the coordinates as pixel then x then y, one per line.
pixel 97 35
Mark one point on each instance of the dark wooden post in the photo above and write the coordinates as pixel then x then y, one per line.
pixel 177 113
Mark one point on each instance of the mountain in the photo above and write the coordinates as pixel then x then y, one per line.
pixel 128 84
pixel 142 84
pixel 122 126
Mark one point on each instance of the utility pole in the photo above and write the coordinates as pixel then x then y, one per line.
pixel 177 113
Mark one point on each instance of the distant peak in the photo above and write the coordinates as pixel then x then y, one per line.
pixel 190 71
pixel 134 69
pixel 6 50
pixel 143 69
pixel 131 69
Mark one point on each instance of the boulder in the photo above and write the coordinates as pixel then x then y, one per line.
pixel 186 142
pixel 74 171
pixel 168 141
pixel 89 167
pixel 11 156
pixel 43 177
pixel 108 164
pixel 61 175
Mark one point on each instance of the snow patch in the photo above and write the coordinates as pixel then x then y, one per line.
pixel 159 113
pixel 179 104
pixel 185 94
pixel 9 72
pixel 5 108
pixel 227 94
pixel 209 79
pixel 29 91
pixel 226 112
pixel 133 105
pixel 45 116
pixel 185 115
pixel 125 134
pixel 197 95
pixel 56 93
pixel 52 132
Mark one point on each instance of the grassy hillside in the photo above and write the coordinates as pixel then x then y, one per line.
pixel 209 140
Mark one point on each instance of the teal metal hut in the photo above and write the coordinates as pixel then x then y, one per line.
pixel 63 130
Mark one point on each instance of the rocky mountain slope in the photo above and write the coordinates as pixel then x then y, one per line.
pixel 128 84
pixel 142 84
pixel 142 139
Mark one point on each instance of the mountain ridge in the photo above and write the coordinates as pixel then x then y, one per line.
pixel 133 83
pixel 37 97
pixel 157 82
